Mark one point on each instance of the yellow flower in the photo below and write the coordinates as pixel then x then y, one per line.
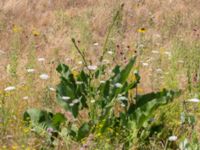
pixel 14 147
pixel 75 73
pixel 35 32
pixel 26 130
pixel 142 30
pixel 16 29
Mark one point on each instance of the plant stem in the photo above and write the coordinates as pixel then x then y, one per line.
pixel 110 30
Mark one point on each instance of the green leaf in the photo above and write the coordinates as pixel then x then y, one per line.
pixel 147 104
pixel 83 131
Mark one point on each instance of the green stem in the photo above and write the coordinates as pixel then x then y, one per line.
pixel 109 31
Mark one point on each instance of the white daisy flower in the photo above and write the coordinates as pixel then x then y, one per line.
pixel 92 67
pixel 44 76
pixel 30 70
pixel 172 138
pixel 118 85
pixel 195 100
pixel 9 88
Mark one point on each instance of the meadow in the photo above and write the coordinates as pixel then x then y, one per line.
pixel 99 75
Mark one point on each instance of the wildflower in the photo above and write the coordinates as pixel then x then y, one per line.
pixel 52 89
pixel 49 130
pixel 80 62
pixel 118 85
pixel 16 29
pixel 102 81
pixel 195 100
pixel 122 98
pixel 110 52
pixel 172 138
pixel 41 59
pixel 168 53
pixel 71 104
pixel 105 61
pixel 30 70
pixel 25 97
pixel 79 82
pixel 142 30
pixel 145 64
pixel 123 105
pixel 44 76
pixel 76 101
pixel 9 88
pixel 35 32
pixel 90 67
pixel 65 97
pixel 181 61
pixel 155 52
pixel 96 44
pixel 92 101
pixel 159 70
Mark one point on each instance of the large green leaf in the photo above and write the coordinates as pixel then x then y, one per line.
pixel 146 104
pixel 41 117
pixel 73 88
pixel 83 131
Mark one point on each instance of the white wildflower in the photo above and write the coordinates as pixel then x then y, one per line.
pixel 110 52
pixel 65 97
pixel 123 105
pixel 9 88
pixel 195 100
pixel 41 59
pixel 122 98
pixel 79 82
pixel 80 62
pixel 52 89
pixel 92 101
pixel 76 101
pixel 25 97
pixel 155 52
pixel 44 76
pixel 90 67
pixel 96 44
pixel 181 61
pixel 118 85
pixel 145 64
pixel 172 138
pixel 102 81
pixel 168 53
pixel 159 70
pixel 30 70
pixel 71 104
